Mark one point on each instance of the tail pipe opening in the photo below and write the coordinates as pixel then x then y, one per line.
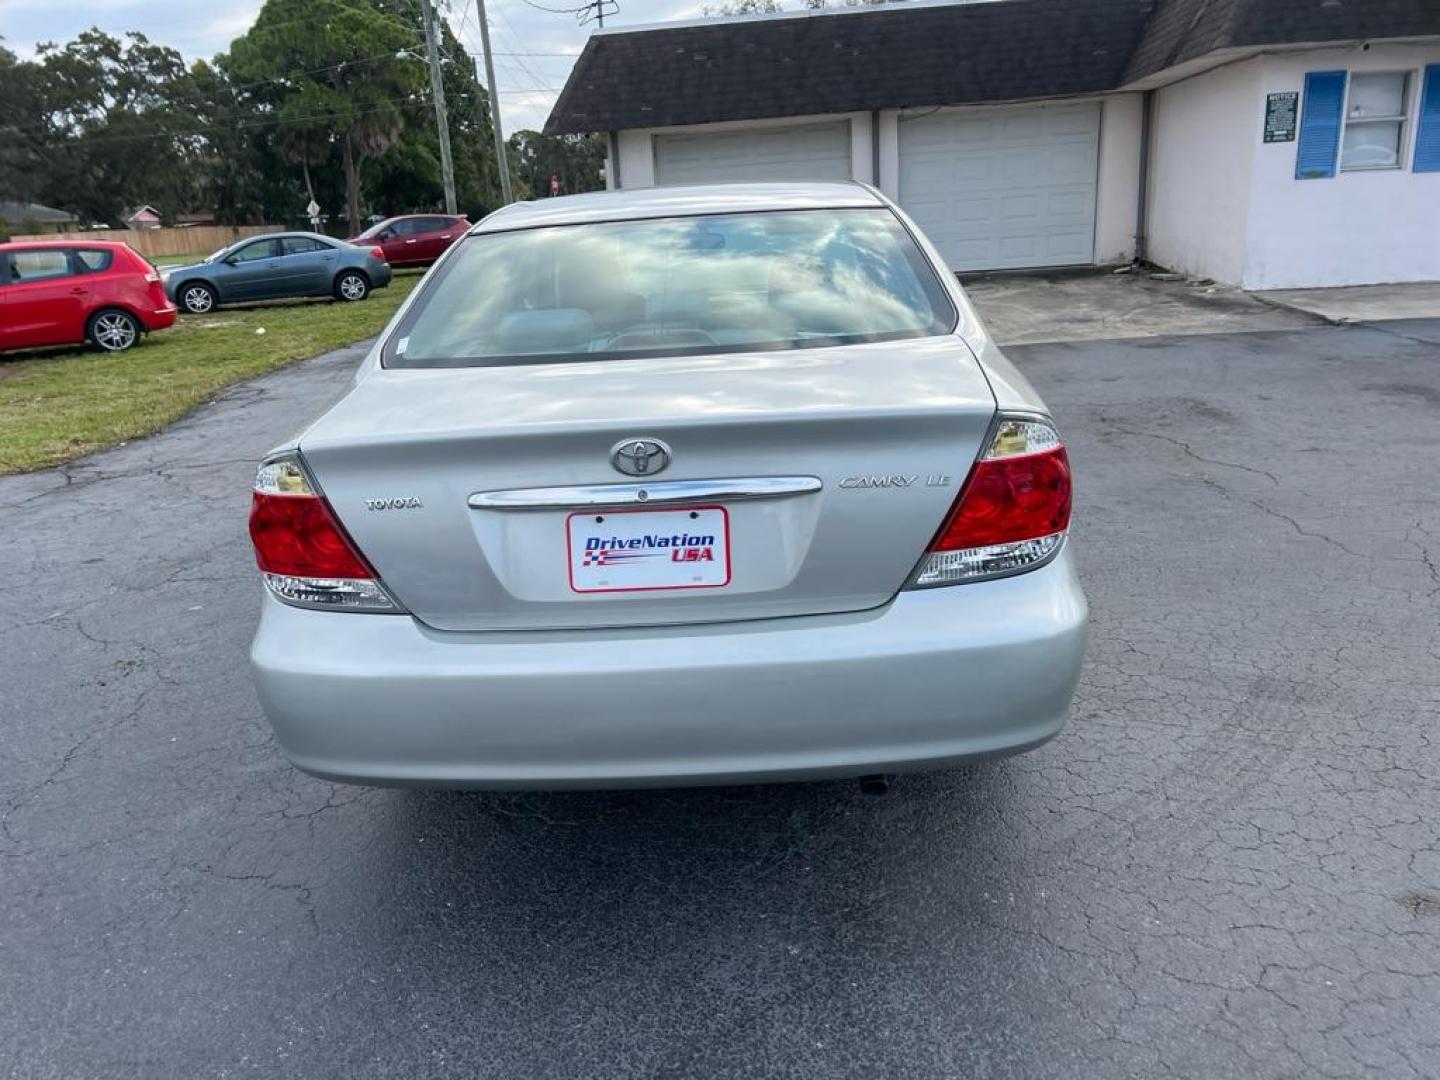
pixel 876 784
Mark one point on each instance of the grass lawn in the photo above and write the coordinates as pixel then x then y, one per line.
pixel 59 404
pixel 179 260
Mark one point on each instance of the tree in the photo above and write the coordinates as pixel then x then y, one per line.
pixel 407 178
pixel 744 7
pixel 21 143
pixel 244 162
pixel 322 99
pixel 96 125
pixel 347 77
pixel 576 161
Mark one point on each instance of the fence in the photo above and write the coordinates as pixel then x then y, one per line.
pixel 196 240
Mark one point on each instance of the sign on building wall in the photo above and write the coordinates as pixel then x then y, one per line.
pixel 1280 110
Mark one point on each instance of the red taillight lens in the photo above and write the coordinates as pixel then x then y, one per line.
pixel 302 548
pixel 298 536
pixel 378 254
pixel 1012 512
pixel 1010 499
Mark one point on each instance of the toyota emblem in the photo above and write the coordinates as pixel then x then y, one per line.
pixel 640 457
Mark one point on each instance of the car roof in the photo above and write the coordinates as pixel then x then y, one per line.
pixel 282 235
pixel 87 245
pixel 406 217
pixel 680 201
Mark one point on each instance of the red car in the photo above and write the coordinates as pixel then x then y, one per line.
pixel 414 239
pixel 69 291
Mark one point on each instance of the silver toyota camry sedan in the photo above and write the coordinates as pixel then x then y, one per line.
pixel 667 487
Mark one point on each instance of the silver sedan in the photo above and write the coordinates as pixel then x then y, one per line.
pixel 667 487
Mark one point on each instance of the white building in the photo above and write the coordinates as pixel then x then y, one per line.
pixel 1264 143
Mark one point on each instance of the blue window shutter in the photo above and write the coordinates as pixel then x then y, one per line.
pixel 1320 125
pixel 1427 132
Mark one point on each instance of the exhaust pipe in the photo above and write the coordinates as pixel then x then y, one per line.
pixel 877 784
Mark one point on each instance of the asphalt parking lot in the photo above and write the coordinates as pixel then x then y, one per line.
pixel 1227 866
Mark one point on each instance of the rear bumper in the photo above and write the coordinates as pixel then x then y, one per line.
pixel 933 678
pixel 160 318
pixel 380 274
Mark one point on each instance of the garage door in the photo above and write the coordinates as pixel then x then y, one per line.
pixel 807 152
pixel 1004 188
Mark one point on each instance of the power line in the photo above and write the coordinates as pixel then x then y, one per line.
pixel 558 11
pixel 584 13
pixel 243 123
pixel 601 8
pixel 508 31
pixel 243 120
pixel 464 17
pixel 288 76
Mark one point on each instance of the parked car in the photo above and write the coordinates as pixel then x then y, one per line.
pixel 66 292
pixel 414 239
pixel 278 265
pixel 670 487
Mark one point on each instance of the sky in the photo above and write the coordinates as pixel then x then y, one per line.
pixel 534 49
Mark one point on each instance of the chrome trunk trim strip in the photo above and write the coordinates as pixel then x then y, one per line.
pixel 661 493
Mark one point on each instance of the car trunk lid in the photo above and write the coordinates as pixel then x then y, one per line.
pixel 815 478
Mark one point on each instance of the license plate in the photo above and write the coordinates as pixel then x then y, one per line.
pixel 646 550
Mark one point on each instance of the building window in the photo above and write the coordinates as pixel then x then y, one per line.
pixel 1375 121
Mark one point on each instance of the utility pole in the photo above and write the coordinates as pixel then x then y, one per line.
pixel 505 195
pixel 595 9
pixel 437 87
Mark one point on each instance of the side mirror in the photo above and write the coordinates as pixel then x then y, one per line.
pixel 384 234
pixel 231 260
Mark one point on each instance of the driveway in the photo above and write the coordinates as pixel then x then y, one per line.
pixel 1031 307
pixel 1226 866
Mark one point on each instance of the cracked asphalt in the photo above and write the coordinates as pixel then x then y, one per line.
pixel 1226 866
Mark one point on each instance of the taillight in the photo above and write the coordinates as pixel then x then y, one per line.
pixel 1012 512
pixel 378 254
pixel 301 547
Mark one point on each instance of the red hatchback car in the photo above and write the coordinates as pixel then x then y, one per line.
pixel 69 291
pixel 414 239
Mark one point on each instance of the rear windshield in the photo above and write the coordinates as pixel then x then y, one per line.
pixel 673 287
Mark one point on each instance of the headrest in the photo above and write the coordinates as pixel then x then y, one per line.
pixel 548 330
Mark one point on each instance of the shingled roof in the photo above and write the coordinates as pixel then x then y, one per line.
pixel 1182 30
pixel 888 57
pixel 17 213
pixel 934 54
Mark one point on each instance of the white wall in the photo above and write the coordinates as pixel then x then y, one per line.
pixel 1119 188
pixel 1203 135
pixel 1356 228
pixel 1222 203
pixel 637 158
pixel 1225 204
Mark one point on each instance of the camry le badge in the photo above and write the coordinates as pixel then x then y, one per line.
pixel 895 481
pixel 640 457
